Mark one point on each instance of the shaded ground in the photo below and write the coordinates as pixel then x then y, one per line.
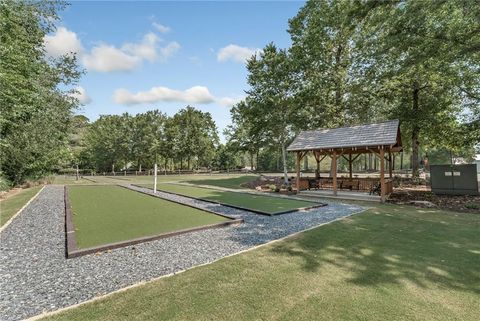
pixel 461 203
pixel 390 263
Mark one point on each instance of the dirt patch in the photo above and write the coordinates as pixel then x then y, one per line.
pixel 458 203
pixel 7 194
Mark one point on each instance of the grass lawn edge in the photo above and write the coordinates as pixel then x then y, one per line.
pixel 10 220
pixel 135 285
pixel 72 250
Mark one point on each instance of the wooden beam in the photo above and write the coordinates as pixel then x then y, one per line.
pixel 382 175
pixel 390 169
pixel 334 170
pixel 297 166
pixel 355 158
pixel 350 165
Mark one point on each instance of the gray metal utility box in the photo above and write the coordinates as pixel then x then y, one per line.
pixel 454 179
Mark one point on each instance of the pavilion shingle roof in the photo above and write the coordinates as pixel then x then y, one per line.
pixel 345 137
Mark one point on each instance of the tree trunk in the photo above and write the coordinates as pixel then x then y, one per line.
pixel 285 169
pixel 305 163
pixel 415 130
pixel 338 83
pixel 401 160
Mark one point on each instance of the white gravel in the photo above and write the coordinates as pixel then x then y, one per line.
pixel 36 277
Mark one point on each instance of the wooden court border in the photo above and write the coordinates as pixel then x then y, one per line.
pixel 72 249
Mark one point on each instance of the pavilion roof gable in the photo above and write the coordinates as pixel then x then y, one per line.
pixel 369 135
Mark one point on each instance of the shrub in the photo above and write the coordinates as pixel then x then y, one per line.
pixel 472 206
pixel 5 184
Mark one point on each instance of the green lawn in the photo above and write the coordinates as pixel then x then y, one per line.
pixel 13 204
pixel 106 214
pixel 266 204
pixel 389 263
pixel 230 182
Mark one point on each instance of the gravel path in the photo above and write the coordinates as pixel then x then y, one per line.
pixel 35 276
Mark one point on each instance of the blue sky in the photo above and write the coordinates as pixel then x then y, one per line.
pixel 165 55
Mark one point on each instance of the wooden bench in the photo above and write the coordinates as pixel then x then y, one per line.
pixel 351 185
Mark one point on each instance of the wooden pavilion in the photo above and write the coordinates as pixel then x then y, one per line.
pixel 381 139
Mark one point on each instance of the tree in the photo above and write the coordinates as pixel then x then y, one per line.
pixel 108 142
pixel 327 65
pixel 268 110
pixel 35 112
pixel 196 136
pixel 148 137
pixel 425 61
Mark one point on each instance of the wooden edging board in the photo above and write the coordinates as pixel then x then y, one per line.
pixel 235 206
pixel 72 249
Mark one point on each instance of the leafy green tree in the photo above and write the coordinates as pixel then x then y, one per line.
pixel 268 110
pixel 148 137
pixel 196 136
pixel 35 112
pixel 108 142
pixel 425 63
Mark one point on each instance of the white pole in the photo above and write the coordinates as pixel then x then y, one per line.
pixel 155 179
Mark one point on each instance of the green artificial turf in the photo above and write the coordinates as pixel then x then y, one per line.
pixel 230 182
pixel 107 214
pixel 389 263
pixel 13 204
pixel 263 203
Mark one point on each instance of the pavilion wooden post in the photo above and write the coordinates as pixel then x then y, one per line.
pixel 350 161
pixel 390 167
pixel 334 172
pixel 297 167
pixel 382 174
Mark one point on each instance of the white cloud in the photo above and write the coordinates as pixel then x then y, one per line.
pixel 169 50
pixel 236 53
pixel 195 95
pixel 161 28
pixel 108 58
pixel 146 49
pixel 62 42
pixel 81 95
pixel 105 58
pixel 228 101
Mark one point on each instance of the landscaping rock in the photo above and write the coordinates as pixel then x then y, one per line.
pixel 423 204
pixel 35 276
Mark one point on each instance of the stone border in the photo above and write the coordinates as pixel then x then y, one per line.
pixel 235 206
pixel 10 220
pixel 71 243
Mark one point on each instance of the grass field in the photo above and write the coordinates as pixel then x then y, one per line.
pixel 229 182
pixel 389 263
pixel 107 214
pixel 13 204
pixel 266 204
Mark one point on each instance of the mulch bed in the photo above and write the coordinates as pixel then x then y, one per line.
pixel 458 203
